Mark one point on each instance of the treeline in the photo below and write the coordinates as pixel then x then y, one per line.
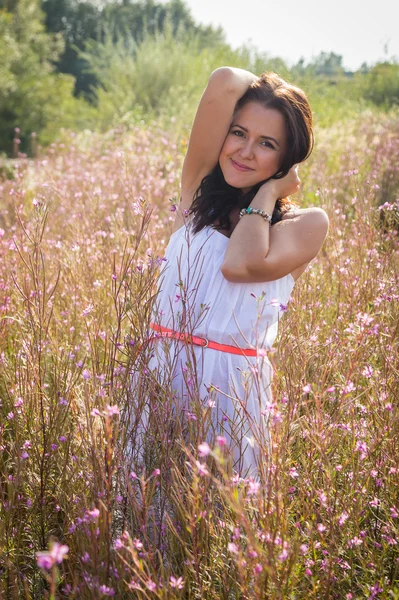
pixel 79 22
pixel 85 64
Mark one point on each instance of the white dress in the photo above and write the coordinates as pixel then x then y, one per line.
pixel 194 297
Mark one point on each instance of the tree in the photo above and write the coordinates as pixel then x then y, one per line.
pixel 81 22
pixel 76 22
pixel 381 84
pixel 326 64
pixel 32 96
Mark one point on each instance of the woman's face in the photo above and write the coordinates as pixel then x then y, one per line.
pixel 254 147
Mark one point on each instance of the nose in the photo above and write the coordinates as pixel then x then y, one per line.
pixel 246 150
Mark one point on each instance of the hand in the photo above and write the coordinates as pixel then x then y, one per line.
pixel 285 186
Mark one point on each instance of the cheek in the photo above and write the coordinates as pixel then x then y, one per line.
pixel 271 162
pixel 224 148
pixel 229 145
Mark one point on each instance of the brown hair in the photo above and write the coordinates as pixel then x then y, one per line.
pixel 214 198
pixel 271 91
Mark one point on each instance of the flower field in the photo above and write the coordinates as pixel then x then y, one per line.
pixel 83 229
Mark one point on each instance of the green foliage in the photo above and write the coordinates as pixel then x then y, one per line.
pixel 146 17
pixel 332 100
pixel 82 22
pixel 32 96
pixel 325 64
pixel 153 78
pixel 7 170
pixel 76 22
pixel 139 61
pixel 381 84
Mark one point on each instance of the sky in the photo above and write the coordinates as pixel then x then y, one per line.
pixel 361 31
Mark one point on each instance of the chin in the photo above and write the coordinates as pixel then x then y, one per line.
pixel 244 187
pixel 236 182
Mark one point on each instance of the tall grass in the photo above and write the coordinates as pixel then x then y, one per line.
pixel 156 513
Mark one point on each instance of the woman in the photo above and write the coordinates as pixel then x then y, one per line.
pixel 229 272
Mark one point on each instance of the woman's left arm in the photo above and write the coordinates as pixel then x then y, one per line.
pixel 290 244
pixel 257 252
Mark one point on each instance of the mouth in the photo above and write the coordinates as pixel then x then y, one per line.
pixel 240 167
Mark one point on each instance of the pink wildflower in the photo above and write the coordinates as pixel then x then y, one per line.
pixel 46 560
pixel 253 488
pixel 204 449
pixel 151 585
pixel 283 555
pixel 367 371
pixel 135 585
pixel 58 552
pixel 92 515
pixel 201 468
pixel 355 541
pixel 137 544
pixel 177 583
pixel 88 310
pixel 106 591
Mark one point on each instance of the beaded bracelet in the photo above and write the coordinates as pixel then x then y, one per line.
pixel 256 211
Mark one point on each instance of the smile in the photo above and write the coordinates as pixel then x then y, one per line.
pixel 240 167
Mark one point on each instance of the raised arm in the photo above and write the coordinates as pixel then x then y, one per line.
pixel 225 87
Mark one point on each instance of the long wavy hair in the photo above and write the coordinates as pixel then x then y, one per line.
pixel 214 199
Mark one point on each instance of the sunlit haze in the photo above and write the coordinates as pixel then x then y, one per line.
pixel 360 31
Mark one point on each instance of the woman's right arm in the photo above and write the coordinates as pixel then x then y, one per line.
pixel 211 124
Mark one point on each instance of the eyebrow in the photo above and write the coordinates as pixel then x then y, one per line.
pixel 265 137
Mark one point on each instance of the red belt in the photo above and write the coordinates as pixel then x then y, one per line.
pixel 199 341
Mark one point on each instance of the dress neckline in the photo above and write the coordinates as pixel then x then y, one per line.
pixel 222 236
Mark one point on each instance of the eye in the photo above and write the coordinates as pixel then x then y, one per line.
pixel 237 132
pixel 267 144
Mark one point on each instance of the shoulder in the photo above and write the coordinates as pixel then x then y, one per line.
pixel 316 218
pixel 303 229
pixel 316 215
pixel 313 218
pixel 301 234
